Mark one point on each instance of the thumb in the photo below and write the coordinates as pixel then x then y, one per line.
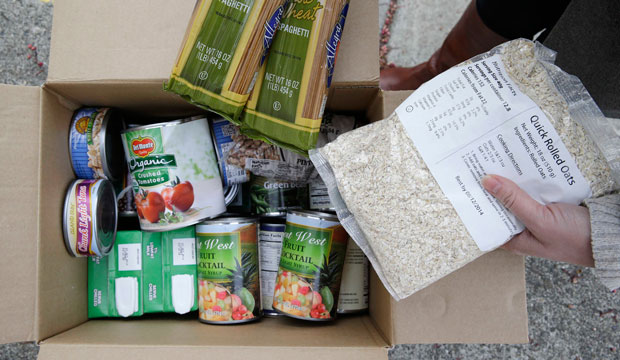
pixel 514 199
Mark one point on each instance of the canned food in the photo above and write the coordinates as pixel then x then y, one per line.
pixel 126 204
pixel 353 297
pixel 270 195
pixel 228 271
pixel 230 193
pixel 318 196
pixel 313 252
pixel 241 203
pixel 89 217
pixel 94 144
pixel 270 238
pixel 175 174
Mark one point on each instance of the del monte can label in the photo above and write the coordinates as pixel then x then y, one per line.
pixel 228 271
pixel 313 252
pixel 175 174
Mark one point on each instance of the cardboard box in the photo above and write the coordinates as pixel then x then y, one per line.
pixel 118 53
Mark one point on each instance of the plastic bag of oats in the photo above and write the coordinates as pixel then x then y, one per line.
pixel 407 188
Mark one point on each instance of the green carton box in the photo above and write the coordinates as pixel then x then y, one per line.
pixel 152 272
pixel 115 281
pixel 181 294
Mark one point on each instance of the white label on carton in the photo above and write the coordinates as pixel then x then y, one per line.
pixel 184 251
pixel 183 294
pixel 126 296
pixel 129 257
pixel 473 120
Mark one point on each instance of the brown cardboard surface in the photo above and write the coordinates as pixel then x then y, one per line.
pixel 144 97
pixel 118 39
pixel 19 146
pixel 61 278
pixel 484 302
pixel 352 337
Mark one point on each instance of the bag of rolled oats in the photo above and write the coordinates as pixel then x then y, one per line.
pixel 407 188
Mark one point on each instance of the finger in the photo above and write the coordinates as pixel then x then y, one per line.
pixel 525 244
pixel 516 200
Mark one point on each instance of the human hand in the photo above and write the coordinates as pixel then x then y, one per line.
pixel 556 231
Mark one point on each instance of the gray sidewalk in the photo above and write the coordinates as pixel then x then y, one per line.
pixel 571 316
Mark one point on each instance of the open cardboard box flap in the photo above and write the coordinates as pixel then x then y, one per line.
pixel 19 146
pixel 117 39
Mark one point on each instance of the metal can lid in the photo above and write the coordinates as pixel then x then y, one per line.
pixel 315 214
pixel 230 220
pixel 274 214
pixel 162 124
pixel 230 193
pixel 105 220
pixel 111 145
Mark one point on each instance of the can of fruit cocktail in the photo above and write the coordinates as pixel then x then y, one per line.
pixel 228 270
pixel 310 270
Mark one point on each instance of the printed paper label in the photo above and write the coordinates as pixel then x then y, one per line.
pixel 129 257
pixel 473 120
pixel 184 251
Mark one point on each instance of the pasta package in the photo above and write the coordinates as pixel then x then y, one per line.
pixel 223 49
pixel 287 104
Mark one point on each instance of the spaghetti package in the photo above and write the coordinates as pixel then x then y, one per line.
pixel 287 104
pixel 223 49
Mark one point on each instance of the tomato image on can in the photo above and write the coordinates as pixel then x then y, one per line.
pixel 313 252
pixel 175 175
pixel 228 279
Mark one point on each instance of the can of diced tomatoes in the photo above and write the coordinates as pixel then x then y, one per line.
pixel 270 237
pixel 175 174
pixel 228 270
pixel 94 143
pixel 90 217
pixel 310 270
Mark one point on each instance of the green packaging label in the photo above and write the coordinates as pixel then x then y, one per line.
pixel 147 162
pixel 308 281
pixel 98 286
pixel 126 279
pixel 268 195
pixel 288 103
pixel 179 265
pixel 210 58
pixel 115 281
pixel 229 290
pixel 153 272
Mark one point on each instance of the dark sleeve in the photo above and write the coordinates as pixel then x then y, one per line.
pixel 521 18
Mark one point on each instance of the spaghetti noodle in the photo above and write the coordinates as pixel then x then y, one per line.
pixel 287 104
pixel 223 49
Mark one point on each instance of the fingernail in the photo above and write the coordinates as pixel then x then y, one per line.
pixel 491 184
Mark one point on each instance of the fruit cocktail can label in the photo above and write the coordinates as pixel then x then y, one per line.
pixel 313 252
pixel 228 270
pixel 176 179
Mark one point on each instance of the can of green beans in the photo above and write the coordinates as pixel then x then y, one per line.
pixel 269 196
